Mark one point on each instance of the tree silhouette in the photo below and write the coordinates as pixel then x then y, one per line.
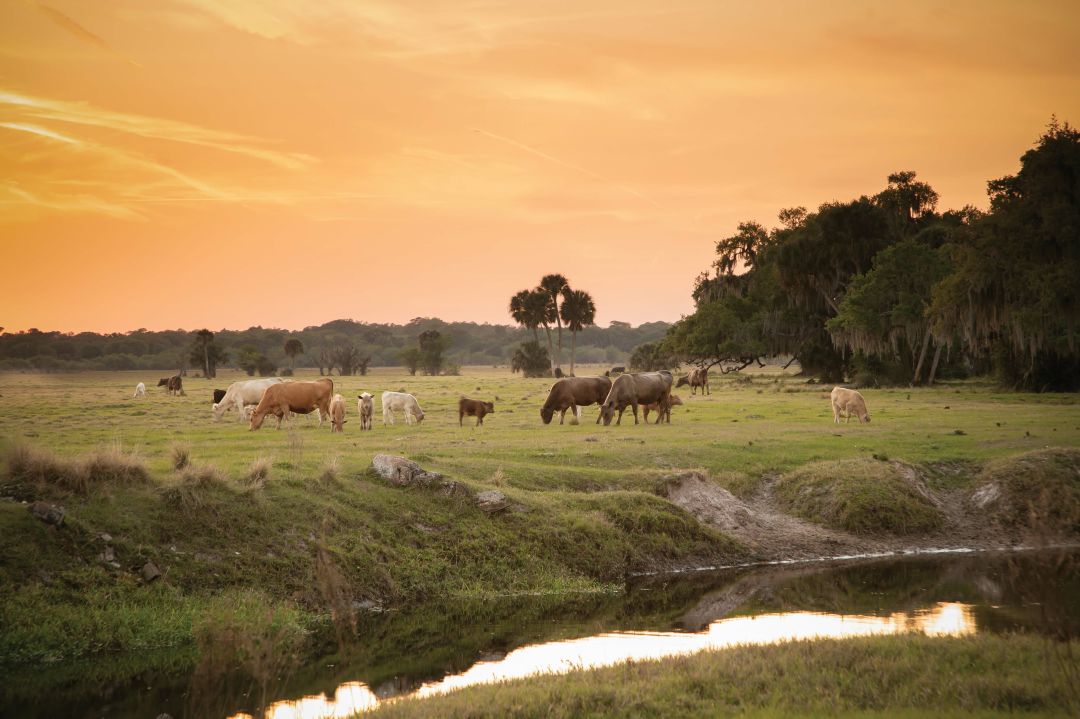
pixel 553 285
pixel 293 347
pixel 528 308
pixel 207 354
pixel 578 312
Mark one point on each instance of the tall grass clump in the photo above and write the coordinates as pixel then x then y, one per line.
pixel 257 473
pixel 861 496
pixel 195 485
pixel 330 472
pixel 42 470
pixel 179 456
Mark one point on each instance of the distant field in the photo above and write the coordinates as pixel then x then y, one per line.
pixel 773 423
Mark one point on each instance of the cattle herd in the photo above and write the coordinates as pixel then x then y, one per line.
pixel 256 399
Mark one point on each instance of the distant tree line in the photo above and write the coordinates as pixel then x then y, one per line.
pixel 886 288
pixel 340 346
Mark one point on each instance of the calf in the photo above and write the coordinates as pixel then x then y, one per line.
pixel 401 402
pixel 140 390
pixel 365 407
pixel 848 402
pixel 676 400
pixel 337 414
pixel 474 408
pixel 173 385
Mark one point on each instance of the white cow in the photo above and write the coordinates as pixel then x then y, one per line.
pixel 848 402
pixel 140 390
pixel 401 402
pixel 365 408
pixel 242 393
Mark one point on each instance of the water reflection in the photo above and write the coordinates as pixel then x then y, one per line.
pixel 560 657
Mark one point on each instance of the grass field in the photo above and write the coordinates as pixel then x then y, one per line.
pixel 321 530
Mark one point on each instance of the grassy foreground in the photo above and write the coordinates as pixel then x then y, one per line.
pixel 294 520
pixel 907 675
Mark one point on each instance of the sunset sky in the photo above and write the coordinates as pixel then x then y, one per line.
pixel 227 163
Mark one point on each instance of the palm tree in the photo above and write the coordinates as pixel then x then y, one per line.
pixel 523 313
pixel 293 347
pixel 578 311
pixel 552 285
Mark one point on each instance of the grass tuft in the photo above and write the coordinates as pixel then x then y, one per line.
pixel 43 470
pixel 330 472
pixel 862 496
pixel 180 456
pixel 258 473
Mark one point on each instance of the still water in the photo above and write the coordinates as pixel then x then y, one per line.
pixel 441 649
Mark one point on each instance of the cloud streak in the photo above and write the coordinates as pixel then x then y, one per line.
pixel 74 28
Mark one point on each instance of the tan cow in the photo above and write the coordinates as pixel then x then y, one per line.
pixel 675 401
pixel 630 390
pixel 848 402
pixel 337 414
pixel 365 407
pixel 696 377
pixel 298 397
pixel 573 392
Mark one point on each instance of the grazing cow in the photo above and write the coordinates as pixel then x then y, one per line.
pixel 299 397
pixel 675 401
pixel 401 402
pixel 634 389
pixel 247 411
pixel 173 385
pixel 697 377
pixel 615 371
pixel 219 394
pixel 140 390
pixel 473 408
pixel 572 392
pixel 337 414
pixel 848 402
pixel 365 407
pixel 241 393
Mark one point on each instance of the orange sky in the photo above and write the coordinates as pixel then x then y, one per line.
pixel 189 163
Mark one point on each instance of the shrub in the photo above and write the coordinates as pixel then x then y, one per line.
pixel 532 360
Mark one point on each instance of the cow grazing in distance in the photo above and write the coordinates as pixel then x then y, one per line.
pixel 219 394
pixel 572 392
pixel 401 402
pixel 365 407
pixel 675 401
pixel 696 377
pixel 631 390
pixel 173 385
pixel 474 408
pixel 299 397
pixel 615 371
pixel 848 402
pixel 243 393
pixel 337 414
pixel 140 390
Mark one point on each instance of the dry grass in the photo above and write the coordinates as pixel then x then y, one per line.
pixel 180 456
pixel 330 472
pixel 43 470
pixel 1035 491
pixel 258 473
pixel 196 484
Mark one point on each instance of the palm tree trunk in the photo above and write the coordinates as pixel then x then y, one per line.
pixel 206 360
pixel 551 350
pixel 573 350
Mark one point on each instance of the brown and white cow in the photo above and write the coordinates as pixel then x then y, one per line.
pixel 298 397
pixel 474 408
pixel 696 377
pixel 173 385
pixel 631 390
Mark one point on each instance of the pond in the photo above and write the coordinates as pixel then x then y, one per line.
pixel 438 649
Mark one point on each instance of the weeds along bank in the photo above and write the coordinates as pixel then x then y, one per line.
pixel 296 521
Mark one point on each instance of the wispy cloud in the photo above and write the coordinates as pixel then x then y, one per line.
pixel 81 113
pixel 74 28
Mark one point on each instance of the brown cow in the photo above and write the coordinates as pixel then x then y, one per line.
pixel 337 414
pixel 473 408
pixel 634 389
pixel 298 397
pixel 173 385
pixel 675 401
pixel 572 392
pixel 697 377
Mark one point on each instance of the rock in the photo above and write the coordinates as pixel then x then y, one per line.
pixel 48 513
pixel 107 556
pixel 150 572
pixel 403 472
pixel 451 488
pixel 491 501
pixel 105 538
pixel 164 716
pixel 986 495
pixel 366 605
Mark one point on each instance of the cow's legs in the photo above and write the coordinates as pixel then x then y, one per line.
pixel 562 416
